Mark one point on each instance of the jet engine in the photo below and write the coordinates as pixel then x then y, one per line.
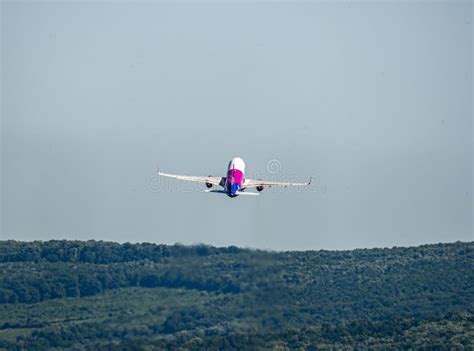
pixel 209 185
pixel 260 187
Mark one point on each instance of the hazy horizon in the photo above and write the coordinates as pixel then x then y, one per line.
pixel 373 100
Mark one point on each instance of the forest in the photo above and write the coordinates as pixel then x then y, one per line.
pixel 95 295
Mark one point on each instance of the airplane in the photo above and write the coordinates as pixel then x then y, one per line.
pixel 235 183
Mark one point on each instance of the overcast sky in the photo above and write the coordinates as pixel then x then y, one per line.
pixel 374 100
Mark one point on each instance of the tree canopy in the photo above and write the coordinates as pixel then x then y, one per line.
pixel 109 295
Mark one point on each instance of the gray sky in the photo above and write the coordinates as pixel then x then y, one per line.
pixel 374 100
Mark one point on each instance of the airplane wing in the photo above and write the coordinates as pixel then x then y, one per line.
pixel 253 183
pixel 198 179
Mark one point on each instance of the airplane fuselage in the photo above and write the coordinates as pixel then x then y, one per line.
pixel 235 176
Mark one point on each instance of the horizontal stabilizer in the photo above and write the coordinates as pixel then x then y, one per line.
pixel 225 192
pixel 216 191
pixel 244 193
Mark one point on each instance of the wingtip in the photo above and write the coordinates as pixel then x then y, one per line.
pixel 158 171
pixel 310 180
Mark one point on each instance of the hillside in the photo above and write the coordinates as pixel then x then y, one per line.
pixel 102 295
